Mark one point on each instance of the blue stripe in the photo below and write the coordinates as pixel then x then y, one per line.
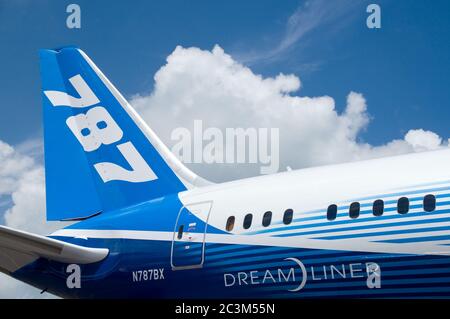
pixel 392 259
pixel 253 260
pixel 344 213
pixel 258 257
pixel 391 232
pixel 357 282
pixel 404 193
pixel 360 220
pixel 387 267
pixel 416 240
pixel 384 225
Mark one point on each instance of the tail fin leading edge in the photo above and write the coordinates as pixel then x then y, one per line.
pixel 99 154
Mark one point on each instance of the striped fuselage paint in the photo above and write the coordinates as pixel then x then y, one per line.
pixel 411 251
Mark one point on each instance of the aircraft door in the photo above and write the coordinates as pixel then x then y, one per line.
pixel 188 242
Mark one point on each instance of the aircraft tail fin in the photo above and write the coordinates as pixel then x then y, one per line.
pixel 99 153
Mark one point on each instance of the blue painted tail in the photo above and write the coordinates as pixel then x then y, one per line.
pixel 99 154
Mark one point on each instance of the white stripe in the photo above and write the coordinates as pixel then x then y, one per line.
pixel 403 236
pixel 383 229
pixel 115 234
pixel 262 240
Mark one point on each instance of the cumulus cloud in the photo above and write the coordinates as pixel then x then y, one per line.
pixel 22 180
pixel 213 87
pixel 422 140
pixel 13 166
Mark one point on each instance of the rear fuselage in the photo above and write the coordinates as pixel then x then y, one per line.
pixel 378 228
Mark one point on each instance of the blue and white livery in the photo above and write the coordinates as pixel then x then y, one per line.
pixel 145 226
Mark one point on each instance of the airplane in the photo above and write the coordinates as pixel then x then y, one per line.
pixel 142 225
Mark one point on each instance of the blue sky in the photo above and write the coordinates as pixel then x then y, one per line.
pixel 402 69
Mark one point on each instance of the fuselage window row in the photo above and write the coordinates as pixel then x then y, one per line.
pixel 266 220
pixel 403 207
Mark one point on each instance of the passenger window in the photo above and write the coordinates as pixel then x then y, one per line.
pixel 331 212
pixel 354 210
pixel 180 231
pixel 248 221
pixel 267 218
pixel 378 207
pixel 230 223
pixel 403 205
pixel 287 218
pixel 429 203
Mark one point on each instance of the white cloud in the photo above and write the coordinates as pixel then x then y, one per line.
pixel 422 140
pixel 28 210
pixel 12 166
pixel 310 16
pixel 22 179
pixel 212 86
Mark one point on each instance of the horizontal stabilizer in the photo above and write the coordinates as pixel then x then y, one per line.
pixel 19 248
